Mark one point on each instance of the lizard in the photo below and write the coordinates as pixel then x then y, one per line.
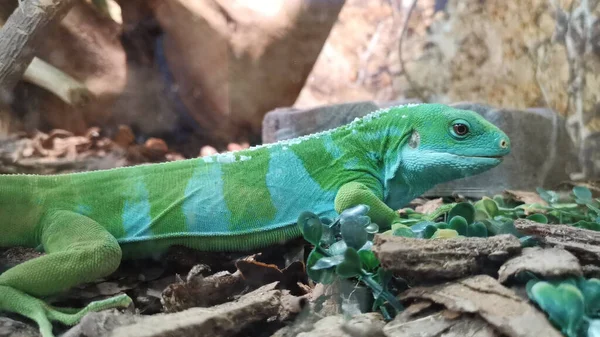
pixel 86 223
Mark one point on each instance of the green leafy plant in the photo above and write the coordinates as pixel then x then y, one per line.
pixel 572 304
pixel 494 216
pixel 342 248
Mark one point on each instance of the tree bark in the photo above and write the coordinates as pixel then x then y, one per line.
pixel 20 35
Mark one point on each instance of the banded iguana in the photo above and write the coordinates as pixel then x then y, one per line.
pixel 88 222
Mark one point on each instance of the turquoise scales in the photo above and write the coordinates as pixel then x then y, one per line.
pixel 251 191
pixel 87 222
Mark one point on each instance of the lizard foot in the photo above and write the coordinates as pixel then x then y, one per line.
pixel 13 300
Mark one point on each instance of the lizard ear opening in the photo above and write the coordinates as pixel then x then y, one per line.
pixel 414 140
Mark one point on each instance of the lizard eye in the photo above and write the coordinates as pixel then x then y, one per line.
pixel 460 129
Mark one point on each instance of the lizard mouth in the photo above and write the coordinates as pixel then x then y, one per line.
pixel 485 157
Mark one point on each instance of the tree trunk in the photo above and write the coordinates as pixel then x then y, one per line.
pixel 20 35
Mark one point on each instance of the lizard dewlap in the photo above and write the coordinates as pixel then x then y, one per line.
pixel 87 222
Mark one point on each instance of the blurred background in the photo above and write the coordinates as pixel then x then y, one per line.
pixel 165 80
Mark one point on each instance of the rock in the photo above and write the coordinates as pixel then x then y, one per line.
pixel 101 324
pixel 287 123
pixel 546 263
pixel 360 59
pixel 484 297
pixel 514 54
pixel 232 62
pixel 428 260
pixel 12 328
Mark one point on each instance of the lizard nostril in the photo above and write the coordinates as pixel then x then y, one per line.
pixel 503 143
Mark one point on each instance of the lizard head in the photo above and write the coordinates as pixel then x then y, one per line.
pixel 447 143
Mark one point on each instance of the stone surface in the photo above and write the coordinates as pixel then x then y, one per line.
pixel 514 54
pixel 12 328
pixel 234 61
pixel 542 153
pixel 286 123
pixel 360 59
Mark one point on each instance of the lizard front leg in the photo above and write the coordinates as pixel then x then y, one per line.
pixel 355 193
pixel 78 250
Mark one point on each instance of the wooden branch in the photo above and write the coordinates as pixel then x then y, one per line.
pixel 20 35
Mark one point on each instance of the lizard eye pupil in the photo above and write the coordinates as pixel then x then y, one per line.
pixel 460 129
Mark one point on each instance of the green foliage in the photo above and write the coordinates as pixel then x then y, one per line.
pixel 342 248
pixel 495 216
pixel 572 304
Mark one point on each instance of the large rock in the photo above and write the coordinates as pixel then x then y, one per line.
pixel 232 62
pixel 287 123
pixel 517 54
pixel 542 153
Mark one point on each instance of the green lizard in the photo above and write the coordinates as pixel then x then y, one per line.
pixel 88 222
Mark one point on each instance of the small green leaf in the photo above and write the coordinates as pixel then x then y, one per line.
pixel 497 227
pixel 563 304
pixel 311 227
pixel 481 215
pixel 499 200
pixel 357 210
pixel 464 209
pixel 325 276
pixel 594 226
pixel 353 231
pixel 337 248
pixel 445 234
pixel 537 217
pixel 404 232
pixel 368 259
pixel 328 262
pixel 477 229
pixel 372 228
pixel 529 241
pixel 487 205
pixel 384 277
pixel 351 266
pixel 582 194
pixel 424 229
pixel 442 225
pixel 591 293
pixel 459 224
pixel 550 197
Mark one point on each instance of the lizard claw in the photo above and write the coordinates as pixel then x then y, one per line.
pixel 16 301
